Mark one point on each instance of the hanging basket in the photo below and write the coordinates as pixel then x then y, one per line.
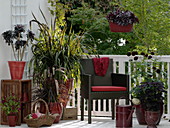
pixel 16 69
pixel 118 28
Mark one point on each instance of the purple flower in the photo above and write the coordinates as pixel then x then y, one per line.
pixel 158 70
pixel 154 68
pixel 142 53
pixel 152 53
pixel 149 57
pixel 129 54
pixel 3 101
pixel 19 28
pixel 30 35
pixel 136 58
pixel 146 55
pixel 134 53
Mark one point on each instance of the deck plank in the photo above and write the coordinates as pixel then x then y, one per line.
pixel 97 122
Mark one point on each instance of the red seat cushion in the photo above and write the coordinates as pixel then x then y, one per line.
pixel 108 88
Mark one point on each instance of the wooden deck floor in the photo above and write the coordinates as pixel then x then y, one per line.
pixel 97 122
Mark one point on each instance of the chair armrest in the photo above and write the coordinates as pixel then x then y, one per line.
pixel 120 80
pixel 85 83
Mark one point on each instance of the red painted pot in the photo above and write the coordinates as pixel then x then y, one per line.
pixel 152 118
pixel 16 69
pixel 118 28
pixel 56 107
pixel 12 119
pixel 140 115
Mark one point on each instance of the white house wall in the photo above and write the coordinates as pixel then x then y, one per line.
pixel 5 24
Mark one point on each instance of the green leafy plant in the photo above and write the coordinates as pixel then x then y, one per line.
pixel 146 68
pixel 10 104
pixel 16 40
pixel 54 50
pixel 151 32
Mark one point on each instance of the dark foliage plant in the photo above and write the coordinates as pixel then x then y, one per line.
pixel 150 95
pixel 17 41
pixel 122 17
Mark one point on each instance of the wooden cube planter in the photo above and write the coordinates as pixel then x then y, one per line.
pixel 18 87
pixel 70 113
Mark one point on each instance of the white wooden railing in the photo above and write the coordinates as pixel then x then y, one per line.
pixel 120 63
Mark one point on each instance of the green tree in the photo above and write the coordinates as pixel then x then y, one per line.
pixel 97 33
pixel 153 29
pixel 151 33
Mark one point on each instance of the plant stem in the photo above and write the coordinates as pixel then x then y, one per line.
pixel 13 51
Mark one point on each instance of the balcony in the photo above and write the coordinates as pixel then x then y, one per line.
pixel 102 115
pixel 121 65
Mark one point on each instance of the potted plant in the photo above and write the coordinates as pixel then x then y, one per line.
pixel 149 88
pixel 55 61
pixel 151 98
pixel 11 105
pixel 15 38
pixel 121 21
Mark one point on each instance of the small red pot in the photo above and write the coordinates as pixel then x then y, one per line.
pixel 12 119
pixel 16 69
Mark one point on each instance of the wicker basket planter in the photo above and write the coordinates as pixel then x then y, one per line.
pixel 46 119
pixel 118 28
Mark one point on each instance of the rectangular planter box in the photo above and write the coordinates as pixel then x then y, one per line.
pixel 70 113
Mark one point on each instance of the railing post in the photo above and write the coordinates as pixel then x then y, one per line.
pixel 168 91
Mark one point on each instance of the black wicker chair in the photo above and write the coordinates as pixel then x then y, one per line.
pixel 91 82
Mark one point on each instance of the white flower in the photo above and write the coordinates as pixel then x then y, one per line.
pixel 135 101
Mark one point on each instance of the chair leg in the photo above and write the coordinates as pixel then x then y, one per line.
pixel 113 109
pixel 89 111
pixel 82 109
pixel 127 100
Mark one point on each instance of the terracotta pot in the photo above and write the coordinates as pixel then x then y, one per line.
pixel 161 113
pixel 152 118
pixel 12 119
pixel 140 115
pixel 118 28
pixel 56 108
pixel 64 89
pixel 16 69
